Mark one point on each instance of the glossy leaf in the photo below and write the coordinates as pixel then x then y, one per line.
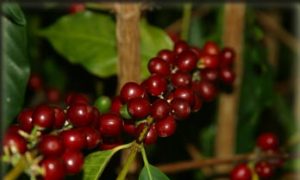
pixel 96 162
pixel 14 65
pixel 88 39
pixel 150 172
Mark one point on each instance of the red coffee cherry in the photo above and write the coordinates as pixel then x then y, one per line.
pixel 180 79
pixel 185 93
pixel 209 75
pixel 151 136
pixel 139 107
pixel 186 61
pixel 110 125
pixel 180 46
pixel 15 128
pixel 51 145
pixel 116 105
pixel 131 90
pixel 129 127
pixel 160 109
pixel 25 120
pixel 197 103
pixel 53 95
pixel 15 142
pixel 159 66
pixel 210 61
pixel 76 8
pixel 93 137
pixel 73 98
pixel 73 161
pixel 54 168
pixel 227 76
pixel 35 82
pixel 165 127
pixel 156 85
pixel 43 116
pixel 264 170
pixel 59 117
pixel 205 90
pixel 267 141
pixel 80 114
pixel 167 55
pixel 181 108
pixel 211 48
pixel 241 172
pixel 227 57
pixel 73 139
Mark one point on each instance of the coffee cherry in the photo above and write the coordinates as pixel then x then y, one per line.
pixel 185 93
pixel 241 172
pixel 103 103
pixel 180 108
pixel 165 127
pixel 179 79
pixel 43 116
pixel 151 136
pixel 73 139
pixel 156 85
pixel 131 90
pixel 264 170
pixel 53 95
pixel 76 8
pixel 74 98
pixel 227 57
pixel 186 61
pixel 159 66
pixel 139 108
pixel 129 127
pixel 51 145
pixel 205 90
pixel 197 103
pixel 174 36
pixel 167 55
pixel 25 120
pixel 59 117
pixel 79 114
pixel 116 105
pixel 15 142
pixel 267 141
pixel 160 109
pixel 73 161
pixel 93 137
pixel 227 76
pixel 54 168
pixel 15 128
pixel 95 114
pixel 209 75
pixel 211 48
pixel 110 125
pixel 35 82
pixel 110 143
pixel 197 51
pixel 210 61
pixel 180 46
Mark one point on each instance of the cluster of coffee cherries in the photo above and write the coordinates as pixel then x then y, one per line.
pixel 264 168
pixel 181 80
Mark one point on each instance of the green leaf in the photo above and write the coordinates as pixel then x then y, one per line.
pixel 153 40
pixel 150 172
pixel 95 163
pixel 88 39
pixel 14 65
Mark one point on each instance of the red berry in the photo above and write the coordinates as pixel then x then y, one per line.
pixel 139 107
pixel 174 36
pixel 197 51
pixel 43 116
pixel 110 125
pixel 156 85
pixel 59 117
pixel 116 105
pixel 267 141
pixel 15 142
pixel 167 55
pixel 211 48
pixel 73 98
pixel 54 168
pixel 151 136
pixel 227 76
pixel 185 93
pixel 76 7
pixel 186 61
pixel 25 120
pixel 131 90
pixel 241 172
pixel 129 127
pixel 179 79
pixel 210 61
pixel 205 89
pixel 160 109
pixel 197 103
pixel 180 46
pixel 165 127
pixel 80 114
pixel 73 161
pixel 159 66
pixel 35 82
pixel 264 170
pixel 209 75
pixel 227 56
pixel 181 108
pixel 73 139
pixel 110 143
pixel 53 95
pixel 93 137
pixel 15 128
pixel 51 145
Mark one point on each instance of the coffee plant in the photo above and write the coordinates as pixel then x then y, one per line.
pixel 52 131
